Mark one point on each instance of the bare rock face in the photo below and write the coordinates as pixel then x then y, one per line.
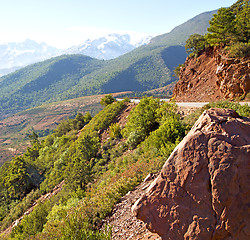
pixel 233 77
pixel 203 189
pixel 212 76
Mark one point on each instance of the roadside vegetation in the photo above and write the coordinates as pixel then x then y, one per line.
pixel 96 174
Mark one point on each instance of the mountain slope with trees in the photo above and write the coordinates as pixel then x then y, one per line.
pixel 65 77
pixel 43 82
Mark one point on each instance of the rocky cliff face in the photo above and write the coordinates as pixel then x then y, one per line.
pixel 213 76
pixel 203 189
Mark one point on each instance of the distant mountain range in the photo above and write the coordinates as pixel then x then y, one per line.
pixel 70 76
pixel 17 55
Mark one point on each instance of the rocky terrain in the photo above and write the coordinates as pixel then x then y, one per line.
pixel 124 224
pixel 203 189
pixel 213 76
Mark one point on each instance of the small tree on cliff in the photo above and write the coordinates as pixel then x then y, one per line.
pixel 195 44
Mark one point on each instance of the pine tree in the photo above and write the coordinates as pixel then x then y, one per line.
pixel 222 27
pixel 242 20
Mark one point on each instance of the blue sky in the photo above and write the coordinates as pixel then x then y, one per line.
pixel 64 23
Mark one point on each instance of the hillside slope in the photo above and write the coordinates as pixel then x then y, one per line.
pixel 42 82
pixel 14 130
pixel 110 155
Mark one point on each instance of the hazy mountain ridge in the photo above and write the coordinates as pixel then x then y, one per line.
pixel 180 34
pixel 15 55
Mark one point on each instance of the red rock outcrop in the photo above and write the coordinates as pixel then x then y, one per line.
pixel 212 76
pixel 233 76
pixel 203 190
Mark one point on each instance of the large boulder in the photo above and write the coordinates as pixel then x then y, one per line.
pixel 203 190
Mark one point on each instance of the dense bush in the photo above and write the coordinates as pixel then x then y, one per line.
pixel 177 70
pixel 167 136
pixel 142 119
pixel 106 100
pixel 115 130
pixel 239 50
pixel 228 27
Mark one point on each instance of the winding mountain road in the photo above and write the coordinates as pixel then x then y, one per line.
pixel 182 104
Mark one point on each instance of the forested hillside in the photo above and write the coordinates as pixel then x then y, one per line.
pixel 44 82
pixel 65 77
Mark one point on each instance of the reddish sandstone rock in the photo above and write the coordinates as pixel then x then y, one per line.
pixel 203 189
pixel 212 76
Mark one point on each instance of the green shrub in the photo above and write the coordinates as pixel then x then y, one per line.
pixel 134 139
pixel 115 130
pixel 177 70
pixel 32 223
pixel 242 110
pixel 166 137
pixel 108 99
pixel 239 50
pixel 195 44
pixel 142 119
pixel 60 211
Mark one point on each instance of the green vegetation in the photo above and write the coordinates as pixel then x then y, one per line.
pixel 221 27
pixel 142 120
pixel 239 50
pixel 242 110
pixel 14 131
pixel 178 69
pixel 95 172
pixel 115 130
pixel 195 44
pixel 108 99
pixel 95 175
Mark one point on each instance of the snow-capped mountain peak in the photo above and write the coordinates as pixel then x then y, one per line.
pixel 108 47
pixel 15 55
